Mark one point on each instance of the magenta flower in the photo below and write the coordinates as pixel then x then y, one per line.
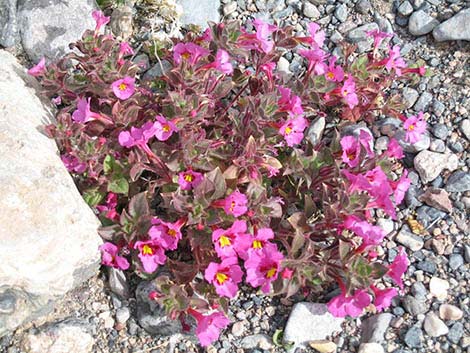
pixel 262 268
pixel 109 208
pixel 318 37
pixel 289 102
pixel 260 40
pixel 124 88
pixel 351 151
pixel 236 204
pixel 189 52
pixel 165 128
pixel 224 276
pixel 83 113
pixel 226 240
pixel 383 297
pixel 394 149
pixel 137 136
pixel 378 36
pixel 100 19
pixel 394 61
pixel 167 234
pixel 365 139
pixel 341 305
pixel 222 62
pixel 247 243
pixel 209 326
pixel 39 69
pixel 400 187
pixel 268 69
pixel 124 49
pixel 415 127
pixel 151 254
pixel 110 256
pixel 398 267
pixel 57 100
pixel 371 235
pixel 293 130
pixel 334 72
pixel 189 179
pixel 73 164
pixel 348 92
pixel 316 58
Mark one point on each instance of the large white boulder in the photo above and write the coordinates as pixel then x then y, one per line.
pixel 48 234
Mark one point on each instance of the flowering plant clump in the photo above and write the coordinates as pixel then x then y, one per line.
pixel 207 170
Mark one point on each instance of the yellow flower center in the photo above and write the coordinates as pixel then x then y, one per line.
pixel 166 128
pixel 232 205
pixel 288 130
pixel 411 128
pixel 351 156
pixel 345 92
pixel 147 250
pixel 224 241
pixel 186 55
pixel 221 277
pixel 189 178
pixel 122 86
pixel 330 75
pixel 257 244
pixel 271 272
pixel 172 232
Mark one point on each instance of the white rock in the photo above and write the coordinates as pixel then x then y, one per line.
pixel 48 235
pixel 438 288
pixel 434 326
pixel 450 312
pixel 455 28
pixel 199 12
pixel 310 322
pixel 465 128
pixel 283 65
pixel 370 348
pixel 430 164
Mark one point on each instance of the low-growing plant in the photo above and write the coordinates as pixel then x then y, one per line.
pixel 207 171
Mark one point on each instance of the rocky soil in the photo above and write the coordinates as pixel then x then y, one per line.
pixel 432 315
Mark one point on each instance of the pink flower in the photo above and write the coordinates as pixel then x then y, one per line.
pixel 124 49
pixel 100 19
pixel 398 267
pixel 189 179
pixel 318 37
pixel 351 151
pixel 400 187
pixel 222 62
pixel 73 164
pixel 226 240
pixel 247 243
pixel 262 268
pixel 165 128
pixel 165 233
pixel 341 305
pixel 348 92
pixel 39 69
pixel 334 72
pixel 236 204
pixel 224 276
pixel 365 139
pixel 151 254
pixel 260 40
pixel 124 88
pixel 289 102
pixel 415 127
pixel 57 100
pixel 110 256
pixel 268 69
pixel 209 327
pixel 83 113
pixel 394 149
pixel 371 235
pixel 293 130
pixel 378 36
pixel 110 207
pixel 316 58
pixel 137 136
pixel 190 52
pixel 394 61
pixel 383 297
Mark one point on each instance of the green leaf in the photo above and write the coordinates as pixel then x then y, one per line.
pixel 119 186
pixel 92 197
pixel 108 164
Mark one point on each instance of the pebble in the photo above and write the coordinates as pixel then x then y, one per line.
pixel 323 346
pixel 257 341
pixel 374 328
pixel 458 182
pixel 434 326
pixel 410 96
pixel 419 290
pixel 405 9
pixel 360 33
pixel 363 6
pixel 238 328
pixel 455 261
pixel 421 23
pixel 438 287
pixel 414 306
pixel 229 8
pixel 455 28
pixel 450 312
pixel 118 282
pixel 315 131
pixel 341 12
pixel 122 315
pixel 440 131
pixel 455 332
pixel 465 128
pixel 414 337
pixel 311 11
pixel 430 164
pixel 423 102
pixel 370 348
pixel 409 240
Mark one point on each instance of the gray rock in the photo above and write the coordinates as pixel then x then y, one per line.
pixel 341 12
pixel 229 8
pixel 423 102
pixel 414 337
pixel 430 164
pixel 466 252
pixel 9 33
pixel 410 96
pixel 158 70
pixel 304 317
pixel 458 182
pixel 405 9
pixel 434 326
pixel 311 11
pixel 121 22
pixel 427 266
pixel 455 28
pixel 421 23
pixel 363 6
pixel 440 131
pixel 48 27
pixel 359 34
pixel 374 328
pixel 72 335
pixel 370 348
pixel 455 332
pixel 414 306
pixel 123 314
pixel 455 261
pixel 421 145
pixel 419 290
pixel 409 240
pixel 199 12
pixel 315 131
pixel 426 215
pixel 257 341
pixel 438 107
pixel 44 220
pixel 437 146
pixel 118 282
pixel 465 128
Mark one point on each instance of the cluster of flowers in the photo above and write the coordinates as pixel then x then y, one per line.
pixel 222 148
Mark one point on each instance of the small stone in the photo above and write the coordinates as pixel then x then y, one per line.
pixel 421 23
pixel 455 332
pixel 121 22
pixel 438 288
pixel 410 96
pixel 458 182
pixel 238 328
pixel 437 198
pixel 466 252
pixel 315 131
pixel 455 261
pixel 419 290
pixel 405 9
pixel 430 164
pixel 421 145
pixel 341 12
pixel 323 346
pixel 465 128
pixel 450 312
pixel 122 315
pixel 359 34
pixel 199 12
pixel 229 8
pixel 283 65
pixel 440 131
pixel 434 326
pixel 363 6
pixel 142 61
pixel 386 224
pixel 414 306
pixel 409 240
pixel 423 102
pixel 118 282
pixel 311 11
pixel 370 348
pixel 437 107
pixel 374 328
pixel 257 341
pixel 158 70
pixel 455 28
pixel 414 337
